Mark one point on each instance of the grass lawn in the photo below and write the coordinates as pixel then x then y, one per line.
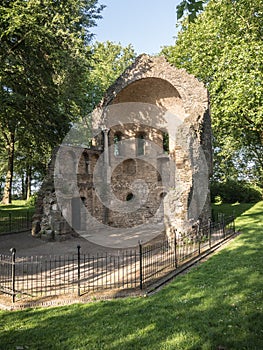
pixel 217 305
pixel 20 206
pixel 235 209
pixel 15 216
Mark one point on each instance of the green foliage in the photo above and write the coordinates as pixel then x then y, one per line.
pixel 42 64
pixel 189 8
pixel 232 191
pixel 232 161
pixel 107 62
pixel 217 305
pixel 223 47
pixel 43 68
pixel 32 200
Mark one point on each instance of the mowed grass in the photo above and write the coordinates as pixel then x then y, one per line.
pixel 235 209
pixel 17 206
pixel 217 305
pixel 15 216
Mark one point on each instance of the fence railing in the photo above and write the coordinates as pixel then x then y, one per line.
pixel 79 273
pixel 11 222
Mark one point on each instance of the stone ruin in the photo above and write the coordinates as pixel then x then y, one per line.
pixel 146 160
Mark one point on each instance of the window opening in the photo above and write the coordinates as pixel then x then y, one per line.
pixel 166 142
pixel 117 144
pixel 129 197
pixel 141 144
pixel 87 164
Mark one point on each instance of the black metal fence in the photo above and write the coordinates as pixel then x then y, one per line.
pixel 15 222
pixel 83 273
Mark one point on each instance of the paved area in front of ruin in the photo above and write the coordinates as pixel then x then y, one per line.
pixel 124 237
pixel 104 240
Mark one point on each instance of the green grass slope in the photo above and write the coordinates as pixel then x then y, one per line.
pixel 217 305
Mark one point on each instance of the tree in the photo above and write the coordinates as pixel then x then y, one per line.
pixel 43 61
pixel 108 61
pixel 190 9
pixel 223 47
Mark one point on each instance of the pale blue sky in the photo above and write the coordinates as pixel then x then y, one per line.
pixel 146 24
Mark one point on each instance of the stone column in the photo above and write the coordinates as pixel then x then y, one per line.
pixel 106 146
pixel 107 179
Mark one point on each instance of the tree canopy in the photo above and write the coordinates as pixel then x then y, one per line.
pixel 223 47
pixel 51 74
pixel 190 9
pixel 42 61
pixel 107 62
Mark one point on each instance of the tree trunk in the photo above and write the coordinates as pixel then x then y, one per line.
pixel 23 185
pixel 28 182
pixel 7 197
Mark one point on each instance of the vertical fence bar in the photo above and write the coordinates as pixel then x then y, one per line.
pixel 210 232
pixel 140 259
pixel 13 251
pixel 223 226
pixel 78 247
pixel 175 252
pixel 106 270
pixel 198 237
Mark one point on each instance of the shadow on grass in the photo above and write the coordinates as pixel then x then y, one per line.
pixel 218 305
pixel 235 209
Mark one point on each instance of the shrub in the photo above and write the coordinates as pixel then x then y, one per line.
pixel 32 200
pixel 233 191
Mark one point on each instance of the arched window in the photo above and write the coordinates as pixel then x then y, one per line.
pixel 166 142
pixel 84 164
pixel 141 144
pixel 87 164
pixel 117 143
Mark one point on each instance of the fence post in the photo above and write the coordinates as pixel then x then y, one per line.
pixel 78 270
pixel 13 251
pixel 199 237
pixel 140 257
pixel 234 225
pixel 175 251
pixel 223 226
pixel 210 231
